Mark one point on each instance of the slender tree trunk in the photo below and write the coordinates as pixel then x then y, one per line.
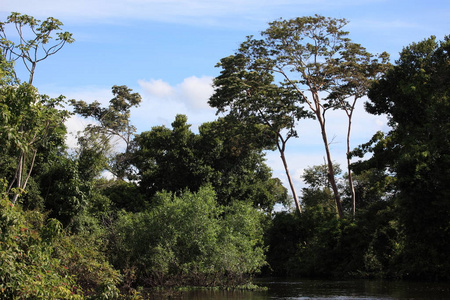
pixel 331 175
pixel 18 178
pixel 33 68
pixel 294 193
pixel 350 177
pixel 24 185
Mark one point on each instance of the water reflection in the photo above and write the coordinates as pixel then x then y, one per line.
pixel 320 289
pixel 209 295
pixel 355 289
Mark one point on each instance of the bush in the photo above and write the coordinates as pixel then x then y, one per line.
pixel 27 268
pixel 38 260
pixel 189 240
pixel 82 257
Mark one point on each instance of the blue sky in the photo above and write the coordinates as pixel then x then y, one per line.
pixel 167 51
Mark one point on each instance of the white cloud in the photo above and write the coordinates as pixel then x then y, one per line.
pixel 157 88
pixel 197 91
pixel 74 125
pixel 193 92
pixel 161 102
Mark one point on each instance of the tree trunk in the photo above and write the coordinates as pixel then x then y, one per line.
pixel 24 185
pixel 294 193
pixel 350 178
pixel 331 175
pixel 18 178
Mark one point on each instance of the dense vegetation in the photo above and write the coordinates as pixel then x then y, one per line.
pixel 197 209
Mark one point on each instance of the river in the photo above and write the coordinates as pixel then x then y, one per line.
pixel 321 289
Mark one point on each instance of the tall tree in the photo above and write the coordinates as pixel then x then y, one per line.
pixel 29 121
pixel 175 159
pixel 39 47
pixel 245 87
pixel 111 122
pixel 310 58
pixel 29 118
pixel 415 96
pixel 358 70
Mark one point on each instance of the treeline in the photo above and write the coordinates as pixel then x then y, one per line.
pixel 401 229
pixel 197 209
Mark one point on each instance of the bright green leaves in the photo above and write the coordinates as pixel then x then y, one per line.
pixel 306 46
pixel 30 122
pixel 6 71
pixel 187 240
pixel 28 118
pixel 27 268
pixel 248 92
pixel 299 68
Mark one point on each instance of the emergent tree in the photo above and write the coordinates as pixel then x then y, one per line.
pixel 28 119
pixel 111 122
pixel 39 47
pixel 306 61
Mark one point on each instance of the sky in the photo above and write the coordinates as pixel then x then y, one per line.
pixel 167 51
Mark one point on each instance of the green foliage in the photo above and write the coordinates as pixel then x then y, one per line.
pixel 113 119
pixel 30 122
pixel 6 71
pixel 29 118
pixel 39 47
pixel 415 98
pixel 38 260
pixel 123 195
pixel 186 240
pixel 166 159
pixel 300 68
pixel 81 255
pixel 241 251
pixel 113 122
pixel 65 191
pixel 319 191
pixel 27 268
pixel 224 154
pixel 92 154
pixel 234 151
pixel 318 244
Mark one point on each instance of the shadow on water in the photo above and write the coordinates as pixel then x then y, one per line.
pixel 209 295
pixel 320 289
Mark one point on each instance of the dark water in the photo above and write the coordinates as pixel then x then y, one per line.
pixel 320 289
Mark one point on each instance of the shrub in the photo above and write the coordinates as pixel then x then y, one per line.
pixel 189 240
pixel 38 260
pixel 27 268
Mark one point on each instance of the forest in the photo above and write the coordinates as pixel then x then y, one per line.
pixel 196 209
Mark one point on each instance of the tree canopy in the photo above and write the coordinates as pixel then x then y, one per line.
pixel 196 206
pixel 415 97
pixel 300 68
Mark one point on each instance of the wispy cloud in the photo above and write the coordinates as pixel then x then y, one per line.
pixel 162 101
pixel 178 11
